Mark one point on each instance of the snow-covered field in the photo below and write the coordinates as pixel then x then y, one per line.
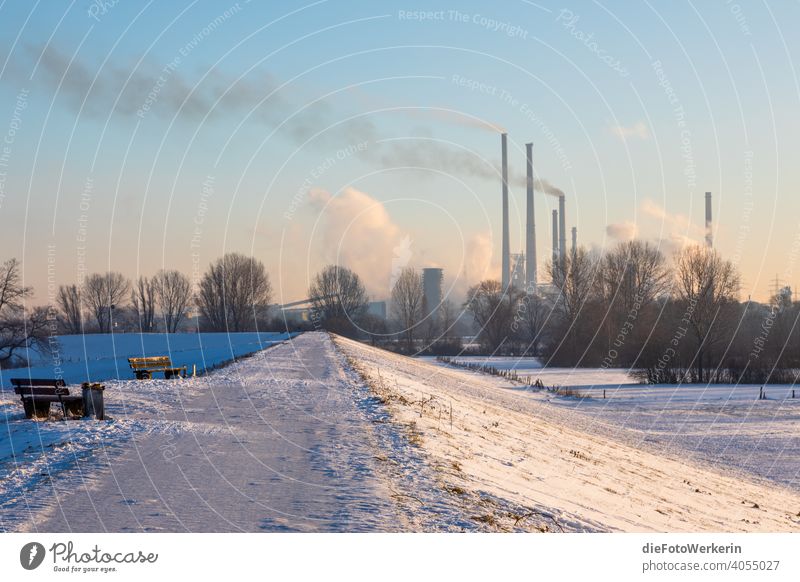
pixel 99 357
pixel 551 376
pixel 312 435
pixel 720 424
pixel 515 444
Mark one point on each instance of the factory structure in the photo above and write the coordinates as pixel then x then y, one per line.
pixel 431 293
pixel 519 270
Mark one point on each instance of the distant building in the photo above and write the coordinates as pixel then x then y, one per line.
pixel 296 315
pixel 518 271
pixel 432 291
pixel 377 308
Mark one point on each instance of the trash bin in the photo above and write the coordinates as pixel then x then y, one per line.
pixel 93 400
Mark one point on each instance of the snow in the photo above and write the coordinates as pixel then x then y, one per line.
pixel 549 375
pixel 289 439
pixel 723 425
pixel 99 357
pixel 719 425
pixel 320 435
pixel 522 446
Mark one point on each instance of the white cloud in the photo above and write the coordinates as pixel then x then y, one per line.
pixel 637 130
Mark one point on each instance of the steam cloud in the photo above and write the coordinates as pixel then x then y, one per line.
pixel 359 233
pixel 622 231
pixel 126 90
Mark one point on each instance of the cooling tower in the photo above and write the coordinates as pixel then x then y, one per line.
pixel 432 292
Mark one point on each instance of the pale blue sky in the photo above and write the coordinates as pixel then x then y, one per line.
pixel 268 93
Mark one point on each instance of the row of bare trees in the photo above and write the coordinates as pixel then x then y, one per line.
pixel 233 295
pixel 102 294
pixel 630 307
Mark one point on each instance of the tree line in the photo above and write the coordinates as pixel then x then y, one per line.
pixel 233 295
pixel 677 320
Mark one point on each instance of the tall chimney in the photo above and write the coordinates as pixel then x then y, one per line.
pixel 530 230
pixel 709 236
pixel 555 236
pixel 574 239
pixel 506 277
pixel 562 230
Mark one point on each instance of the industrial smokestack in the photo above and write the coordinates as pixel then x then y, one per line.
pixel 506 276
pixel 562 230
pixel 555 236
pixel 530 229
pixel 709 238
pixel 574 239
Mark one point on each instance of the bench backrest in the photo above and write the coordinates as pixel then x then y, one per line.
pixel 51 382
pixel 150 363
pixel 42 390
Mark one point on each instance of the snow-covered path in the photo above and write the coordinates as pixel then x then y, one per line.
pixel 560 463
pixel 308 437
pixel 282 441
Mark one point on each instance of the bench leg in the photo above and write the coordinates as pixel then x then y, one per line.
pixel 27 404
pixel 167 375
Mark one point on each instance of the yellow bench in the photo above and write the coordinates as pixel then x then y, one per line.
pixel 144 367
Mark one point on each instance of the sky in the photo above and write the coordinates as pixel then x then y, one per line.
pixel 140 135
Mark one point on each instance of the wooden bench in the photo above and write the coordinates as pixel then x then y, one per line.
pixel 37 394
pixel 144 367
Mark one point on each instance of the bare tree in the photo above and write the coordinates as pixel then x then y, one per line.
pixel 493 310
pixel 407 302
pixel 707 287
pixel 69 304
pixel 234 293
pixel 532 314
pixel 12 292
pixel 211 298
pixel 633 273
pixel 19 330
pixel 574 279
pixel 173 292
pixel 448 317
pixel 629 280
pixel 143 302
pixel 102 293
pixel 339 298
